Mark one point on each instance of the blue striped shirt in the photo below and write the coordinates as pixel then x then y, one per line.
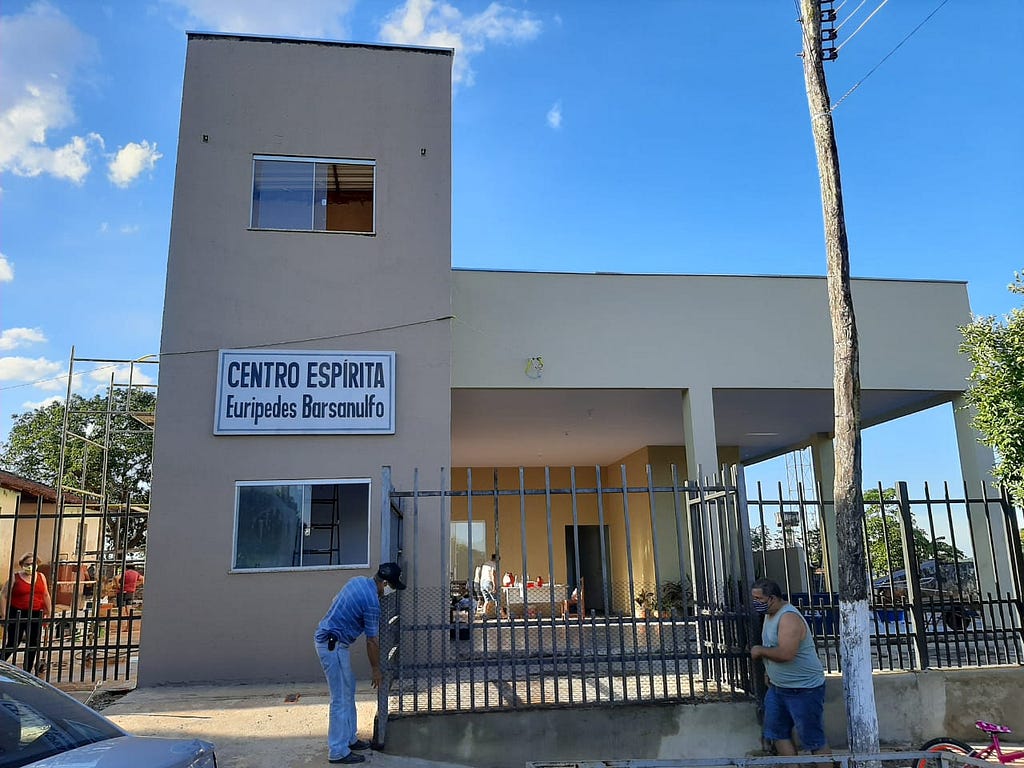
pixel 355 610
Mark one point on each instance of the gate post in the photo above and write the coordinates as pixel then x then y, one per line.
pixel 380 720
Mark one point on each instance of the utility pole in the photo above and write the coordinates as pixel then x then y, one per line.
pixel 854 637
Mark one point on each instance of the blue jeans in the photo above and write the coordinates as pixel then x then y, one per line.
pixel 802 708
pixel 341 726
pixel 488 593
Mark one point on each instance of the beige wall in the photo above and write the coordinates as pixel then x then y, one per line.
pixel 700 330
pixel 29 532
pixel 229 287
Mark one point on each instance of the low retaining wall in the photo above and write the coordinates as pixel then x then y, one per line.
pixel 913 707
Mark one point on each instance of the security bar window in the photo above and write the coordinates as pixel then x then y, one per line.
pixel 309 195
pixel 287 525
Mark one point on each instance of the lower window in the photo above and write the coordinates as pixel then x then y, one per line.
pixel 287 524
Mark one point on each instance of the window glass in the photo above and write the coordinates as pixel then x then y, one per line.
pixel 313 195
pixel 464 540
pixel 38 722
pixel 282 195
pixel 302 525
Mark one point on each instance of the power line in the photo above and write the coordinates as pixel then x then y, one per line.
pixel 249 346
pixel 863 24
pixel 884 58
pixel 852 13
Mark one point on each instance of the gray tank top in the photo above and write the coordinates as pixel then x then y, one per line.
pixel 805 670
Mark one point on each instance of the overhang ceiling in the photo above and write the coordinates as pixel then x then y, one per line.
pixel 586 427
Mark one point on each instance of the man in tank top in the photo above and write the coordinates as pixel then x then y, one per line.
pixel 796 691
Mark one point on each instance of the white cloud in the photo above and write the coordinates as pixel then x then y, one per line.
pixel 12 338
pixel 26 369
pixel 121 374
pixel 104 227
pixel 6 270
pixel 41 52
pixel 555 115
pixel 297 18
pixel 33 406
pixel 130 161
pixel 129 229
pixel 428 22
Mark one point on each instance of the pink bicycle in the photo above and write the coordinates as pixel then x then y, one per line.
pixel 993 752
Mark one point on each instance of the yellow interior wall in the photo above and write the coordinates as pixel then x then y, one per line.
pixel 505 531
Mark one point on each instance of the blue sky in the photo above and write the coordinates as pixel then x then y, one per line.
pixel 588 136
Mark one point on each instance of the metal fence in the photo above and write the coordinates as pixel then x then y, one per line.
pixel 671 618
pixel 93 633
pixel 86 532
pixel 662 618
pixel 946 573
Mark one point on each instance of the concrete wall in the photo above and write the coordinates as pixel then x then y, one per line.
pixel 230 287
pixel 913 707
pixel 701 330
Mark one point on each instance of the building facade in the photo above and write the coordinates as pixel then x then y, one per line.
pixel 314 332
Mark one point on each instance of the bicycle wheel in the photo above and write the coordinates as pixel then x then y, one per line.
pixel 944 744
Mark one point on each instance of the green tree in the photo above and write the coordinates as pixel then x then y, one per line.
pixel 32 450
pixel 996 350
pixel 885 543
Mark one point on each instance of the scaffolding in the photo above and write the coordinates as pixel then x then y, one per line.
pixel 100 523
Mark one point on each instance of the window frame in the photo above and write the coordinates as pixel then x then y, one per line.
pixel 239 484
pixel 313 161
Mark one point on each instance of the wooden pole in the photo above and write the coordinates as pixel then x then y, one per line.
pixel 854 640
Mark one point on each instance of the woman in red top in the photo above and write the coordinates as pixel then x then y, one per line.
pixel 24 603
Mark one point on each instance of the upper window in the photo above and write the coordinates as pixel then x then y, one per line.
pixel 310 195
pixel 295 524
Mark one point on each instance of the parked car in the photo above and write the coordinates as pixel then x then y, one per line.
pixel 42 727
pixel 939 582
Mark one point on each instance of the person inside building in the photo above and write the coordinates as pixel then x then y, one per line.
pixel 354 611
pixel 489 584
pixel 25 604
pixel 796 690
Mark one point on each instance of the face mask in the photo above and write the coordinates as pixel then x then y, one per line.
pixel 388 590
pixel 760 607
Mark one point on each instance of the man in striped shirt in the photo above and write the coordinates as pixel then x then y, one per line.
pixel 355 611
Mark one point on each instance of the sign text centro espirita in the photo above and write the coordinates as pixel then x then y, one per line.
pixel 293 392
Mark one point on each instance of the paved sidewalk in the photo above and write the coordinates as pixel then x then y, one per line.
pixel 252 726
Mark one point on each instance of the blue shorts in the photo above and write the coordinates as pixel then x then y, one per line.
pixel 802 708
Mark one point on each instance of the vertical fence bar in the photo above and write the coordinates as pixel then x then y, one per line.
pixel 652 504
pixel 629 571
pixel 605 587
pixel 522 582
pixel 911 568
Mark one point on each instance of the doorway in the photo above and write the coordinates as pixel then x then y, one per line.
pixel 589 560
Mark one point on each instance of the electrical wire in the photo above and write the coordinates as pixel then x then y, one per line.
pixel 858 29
pixel 884 58
pixel 261 345
pixel 852 14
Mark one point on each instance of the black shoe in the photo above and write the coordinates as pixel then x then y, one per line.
pixel 351 757
pixel 359 744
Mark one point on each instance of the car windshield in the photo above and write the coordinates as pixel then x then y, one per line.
pixel 36 721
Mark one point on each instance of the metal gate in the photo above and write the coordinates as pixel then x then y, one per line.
pixel 667 620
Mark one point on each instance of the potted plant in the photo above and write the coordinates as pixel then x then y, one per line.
pixel 647 603
pixel 676 597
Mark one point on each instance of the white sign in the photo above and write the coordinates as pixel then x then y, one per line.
pixel 289 392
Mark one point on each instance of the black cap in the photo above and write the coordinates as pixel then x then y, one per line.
pixel 392 574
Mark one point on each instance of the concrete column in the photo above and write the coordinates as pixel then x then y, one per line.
pixel 992 560
pixel 823 460
pixel 699 429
